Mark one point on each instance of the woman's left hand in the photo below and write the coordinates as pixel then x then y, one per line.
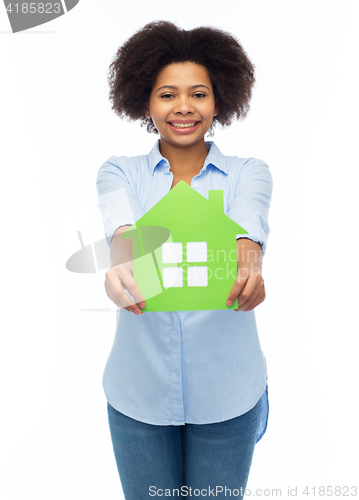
pixel 249 288
pixel 249 285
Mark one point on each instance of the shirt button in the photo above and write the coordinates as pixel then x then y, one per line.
pixel 195 184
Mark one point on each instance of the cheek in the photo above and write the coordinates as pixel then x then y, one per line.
pixel 157 112
pixel 210 112
pixel 155 117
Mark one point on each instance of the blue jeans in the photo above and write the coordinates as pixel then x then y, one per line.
pixel 176 461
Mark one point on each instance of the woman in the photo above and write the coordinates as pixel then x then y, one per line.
pixel 186 391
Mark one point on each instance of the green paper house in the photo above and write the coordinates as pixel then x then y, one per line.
pixel 185 252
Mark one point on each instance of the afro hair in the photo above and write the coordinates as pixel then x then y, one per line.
pixel 139 60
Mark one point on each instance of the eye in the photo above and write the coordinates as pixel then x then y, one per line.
pixel 199 95
pixel 166 96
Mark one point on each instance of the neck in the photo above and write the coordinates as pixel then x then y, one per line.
pixel 184 160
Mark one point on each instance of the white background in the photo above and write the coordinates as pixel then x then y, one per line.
pixel 57 128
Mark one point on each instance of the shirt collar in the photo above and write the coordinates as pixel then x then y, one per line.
pixel 214 157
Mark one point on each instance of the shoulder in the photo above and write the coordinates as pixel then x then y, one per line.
pixel 236 166
pixel 241 164
pixel 251 168
pixel 132 166
pixel 123 166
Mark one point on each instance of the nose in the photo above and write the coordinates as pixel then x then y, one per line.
pixel 183 106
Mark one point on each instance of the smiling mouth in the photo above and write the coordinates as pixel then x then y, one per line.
pixel 183 125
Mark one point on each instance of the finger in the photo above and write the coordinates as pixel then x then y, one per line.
pixel 134 310
pixel 114 297
pixel 116 293
pixel 247 293
pixel 130 285
pixel 132 288
pixel 261 297
pixel 127 303
pixel 251 303
pixel 139 302
pixel 250 290
pixel 237 288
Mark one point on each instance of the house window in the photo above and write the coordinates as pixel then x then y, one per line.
pixel 197 251
pixel 197 276
pixel 172 253
pixel 172 277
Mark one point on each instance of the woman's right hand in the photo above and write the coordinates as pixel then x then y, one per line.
pixel 120 277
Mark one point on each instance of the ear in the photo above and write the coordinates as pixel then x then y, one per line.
pixel 216 109
pixel 147 111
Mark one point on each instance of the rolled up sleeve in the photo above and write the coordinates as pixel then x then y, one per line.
pixel 252 198
pixel 118 203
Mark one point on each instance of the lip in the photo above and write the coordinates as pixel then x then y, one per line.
pixel 187 130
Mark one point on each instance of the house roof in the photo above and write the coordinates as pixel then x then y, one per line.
pixel 182 204
pixel 185 214
pixel 215 158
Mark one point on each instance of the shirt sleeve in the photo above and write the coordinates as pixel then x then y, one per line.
pixel 250 205
pixel 118 203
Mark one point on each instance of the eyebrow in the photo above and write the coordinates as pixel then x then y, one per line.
pixel 176 88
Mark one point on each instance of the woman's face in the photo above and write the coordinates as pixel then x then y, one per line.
pixel 182 103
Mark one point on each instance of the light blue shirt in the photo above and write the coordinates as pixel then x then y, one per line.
pixel 199 367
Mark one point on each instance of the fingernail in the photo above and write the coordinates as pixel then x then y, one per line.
pixel 230 302
pixel 138 311
pixel 142 304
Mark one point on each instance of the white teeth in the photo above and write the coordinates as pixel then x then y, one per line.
pixel 183 125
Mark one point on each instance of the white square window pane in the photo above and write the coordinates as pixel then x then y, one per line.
pixel 197 276
pixel 172 277
pixel 171 253
pixel 197 251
